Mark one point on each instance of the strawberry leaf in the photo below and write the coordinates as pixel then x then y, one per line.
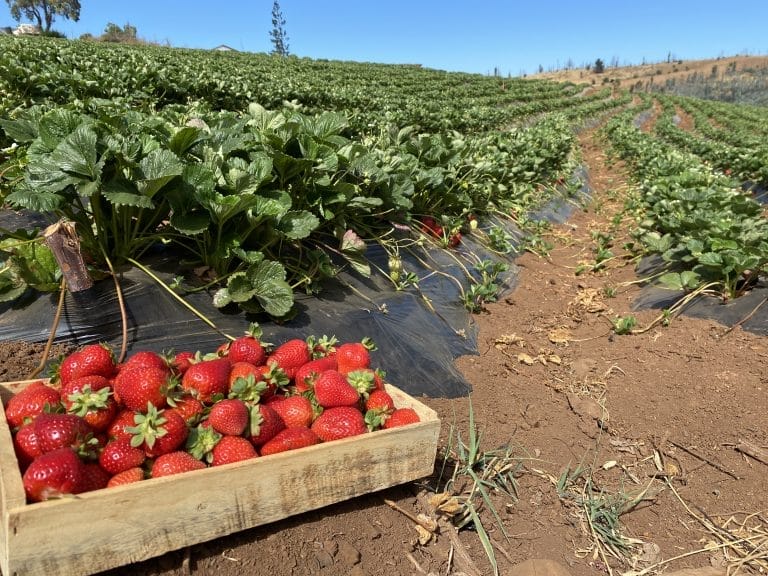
pixel 263 282
pixel 158 168
pixel 76 154
pixel 298 225
pixel 185 139
pixel 122 192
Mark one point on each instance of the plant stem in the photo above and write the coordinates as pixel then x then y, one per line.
pixel 52 334
pixel 181 301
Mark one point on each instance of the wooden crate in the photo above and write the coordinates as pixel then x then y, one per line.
pixel 98 530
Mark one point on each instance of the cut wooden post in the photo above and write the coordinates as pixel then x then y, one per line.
pixel 62 239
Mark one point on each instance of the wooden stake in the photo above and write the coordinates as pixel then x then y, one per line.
pixel 62 239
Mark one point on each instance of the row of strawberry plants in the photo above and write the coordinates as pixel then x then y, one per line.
pixel 734 155
pixel 706 230
pixel 34 70
pixel 264 200
pixel 745 120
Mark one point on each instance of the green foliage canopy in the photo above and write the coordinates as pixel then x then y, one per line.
pixel 43 12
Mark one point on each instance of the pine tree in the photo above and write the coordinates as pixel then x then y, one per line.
pixel 599 66
pixel 278 34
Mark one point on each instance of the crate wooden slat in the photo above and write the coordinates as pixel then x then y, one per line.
pixel 104 529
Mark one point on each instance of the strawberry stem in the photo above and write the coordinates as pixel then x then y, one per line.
pixel 181 300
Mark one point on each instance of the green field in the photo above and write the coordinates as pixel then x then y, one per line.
pixel 271 173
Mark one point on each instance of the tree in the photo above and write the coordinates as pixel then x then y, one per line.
pixel 113 33
pixel 43 12
pixel 599 66
pixel 278 34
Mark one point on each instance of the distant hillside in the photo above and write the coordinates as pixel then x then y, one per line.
pixel 741 79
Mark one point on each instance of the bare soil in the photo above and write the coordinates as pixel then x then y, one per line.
pixel 658 72
pixel 646 424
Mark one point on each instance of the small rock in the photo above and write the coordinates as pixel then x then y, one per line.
pixel 348 554
pixel 539 568
pixel 650 553
pixel 331 546
pixel 582 367
pixel 357 571
pixel 323 558
pixel 587 408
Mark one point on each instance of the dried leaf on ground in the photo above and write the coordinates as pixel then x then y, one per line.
pixel 560 335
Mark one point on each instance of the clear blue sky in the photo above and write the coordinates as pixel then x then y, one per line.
pixel 514 36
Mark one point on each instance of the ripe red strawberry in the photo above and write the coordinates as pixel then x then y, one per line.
pixel 229 416
pixel 290 439
pixel 243 370
pixel 290 356
pixel 54 431
pixel 401 417
pixel 378 406
pixel 158 431
pixel 124 419
pixel 94 382
pixel 93 478
pixel 306 376
pixel 354 355
pixel 332 389
pixel 264 425
pixel 339 422
pixel 248 348
pixel 366 380
pixel 29 402
pixel 126 477
pixel 93 359
pixel 232 449
pixel 454 240
pixel 25 445
pixel 323 346
pixel 201 441
pixel 363 380
pixel 207 380
pixel 137 385
pixel 274 377
pixel 248 388
pixel 145 359
pixel 175 462
pixel 118 455
pixel 189 407
pixel 380 400
pixel 296 411
pixel 430 227
pixel 98 408
pixel 261 381
pixel 53 474
pixel 181 362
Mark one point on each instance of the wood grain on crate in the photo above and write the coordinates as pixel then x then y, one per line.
pixel 99 530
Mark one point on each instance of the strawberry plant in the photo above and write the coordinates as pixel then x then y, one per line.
pixel 26 264
pixel 486 288
pixel 707 232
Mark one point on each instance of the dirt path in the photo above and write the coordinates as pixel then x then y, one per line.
pixel 595 423
pixel 641 414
